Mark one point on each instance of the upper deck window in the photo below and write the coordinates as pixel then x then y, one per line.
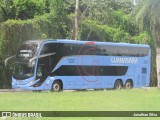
pixel 65 49
pixel 122 51
pixel 50 48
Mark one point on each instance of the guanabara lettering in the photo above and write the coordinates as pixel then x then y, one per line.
pixel 119 60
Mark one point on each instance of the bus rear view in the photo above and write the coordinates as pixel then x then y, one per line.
pixel 68 64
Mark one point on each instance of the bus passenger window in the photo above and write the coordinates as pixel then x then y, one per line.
pixel 144 71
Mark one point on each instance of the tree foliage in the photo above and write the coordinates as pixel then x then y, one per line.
pixel 147 16
pixel 21 9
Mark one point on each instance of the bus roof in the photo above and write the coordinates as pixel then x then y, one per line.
pixel 83 42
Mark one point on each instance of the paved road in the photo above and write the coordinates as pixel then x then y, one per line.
pixel 19 90
pixel 12 90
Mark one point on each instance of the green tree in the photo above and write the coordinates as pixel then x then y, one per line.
pixel 108 13
pixel 22 9
pixel 147 18
pixel 7 10
pixel 27 9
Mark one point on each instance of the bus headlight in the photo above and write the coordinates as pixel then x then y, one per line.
pixel 31 82
pixel 51 78
pixel 47 82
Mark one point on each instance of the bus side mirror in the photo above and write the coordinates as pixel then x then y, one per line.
pixel 6 60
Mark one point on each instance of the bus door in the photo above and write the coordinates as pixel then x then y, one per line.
pixel 75 80
pixel 142 76
pixel 80 81
pixel 42 73
pixel 87 82
pixel 70 76
pixel 87 77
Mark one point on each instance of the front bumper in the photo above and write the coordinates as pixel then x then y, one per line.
pixel 27 84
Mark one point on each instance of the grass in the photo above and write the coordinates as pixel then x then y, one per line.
pixel 109 100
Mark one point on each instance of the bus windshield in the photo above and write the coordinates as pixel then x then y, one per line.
pixel 22 71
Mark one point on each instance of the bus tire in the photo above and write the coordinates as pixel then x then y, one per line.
pixel 57 86
pixel 118 85
pixel 129 84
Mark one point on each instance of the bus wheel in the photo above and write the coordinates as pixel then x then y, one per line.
pixel 128 84
pixel 118 85
pixel 56 86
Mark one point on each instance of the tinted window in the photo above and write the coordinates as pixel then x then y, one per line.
pixel 50 48
pixel 85 49
pixel 67 70
pixel 144 70
pixel 122 51
pixel 47 64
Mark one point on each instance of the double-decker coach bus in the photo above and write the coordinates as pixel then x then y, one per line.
pixel 69 64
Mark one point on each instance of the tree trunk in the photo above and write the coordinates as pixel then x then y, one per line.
pixel 158 64
pixel 76 20
pixel 158 56
pixel 158 68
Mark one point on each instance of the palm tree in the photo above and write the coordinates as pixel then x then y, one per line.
pixel 147 17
